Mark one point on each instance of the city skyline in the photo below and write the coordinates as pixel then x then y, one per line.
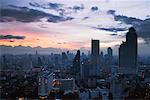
pixel 81 76
pixel 71 25
pixel 75 49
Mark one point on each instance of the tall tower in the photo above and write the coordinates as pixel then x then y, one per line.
pixel 76 63
pixel 128 53
pixel 109 52
pixel 95 57
pixel 131 40
pixel 64 59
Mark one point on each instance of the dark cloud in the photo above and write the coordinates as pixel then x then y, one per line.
pixel 24 14
pixel 148 16
pixel 114 34
pixel 54 6
pixel 85 18
pixel 112 29
pixel 56 19
pixel 127 20
pixel 11 37
pixel 76 7
pixel 94 8
pixel 81 7
pixel 112 12
pixel 58 7
pixel 142 26
pixel 143 30
pixel 34 4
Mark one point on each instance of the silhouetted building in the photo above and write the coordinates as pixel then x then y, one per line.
pixel 109 56
pixel 94 69
pixel 64 59
pixel 76 63
pixel 107 61
pixel 4 62
pixel 84 70
pixel 128 53
pixel 39 62
pixel 109 52
pixel 64 56
pixel 95 58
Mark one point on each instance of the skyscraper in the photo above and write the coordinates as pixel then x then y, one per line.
pixel 95 57
pixel 76 63
pixel 64 59
pixel 128 52
pixel 107 62
pixel 109 52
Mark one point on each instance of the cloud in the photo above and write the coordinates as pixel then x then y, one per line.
pixel 112 12
pixel 56 19
pixel 113 34
pixel 148 16
pixel 54 6
pixel 143 30
pixel 112 29
pixel 34 4
pixel 60 8
pixel 94 8
pixel 24 14
pixel 76 8
pixel 80 7
pixel 142 26
pixel 127 20
pixel 11 37
pixel 85 18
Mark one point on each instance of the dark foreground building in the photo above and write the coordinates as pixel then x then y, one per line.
pixel 76 63
pixel 128 53
pixel 95 58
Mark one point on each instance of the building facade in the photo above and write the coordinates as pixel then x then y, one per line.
pixel 95 59
pixel 128 53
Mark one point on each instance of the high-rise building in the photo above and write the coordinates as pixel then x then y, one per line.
pixel 84 70
pixel 107 61
pixel 109 56
pixel 95 59
pixel 109 52
pixel 128 53
pixel 64 59
pixel 76 63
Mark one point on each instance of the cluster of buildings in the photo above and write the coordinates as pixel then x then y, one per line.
pixel 81 76
pixel 96 75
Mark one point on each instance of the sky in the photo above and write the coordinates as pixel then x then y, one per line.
pixel 71 24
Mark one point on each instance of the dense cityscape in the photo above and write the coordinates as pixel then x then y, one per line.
pixel 78 76
pixel 74 49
